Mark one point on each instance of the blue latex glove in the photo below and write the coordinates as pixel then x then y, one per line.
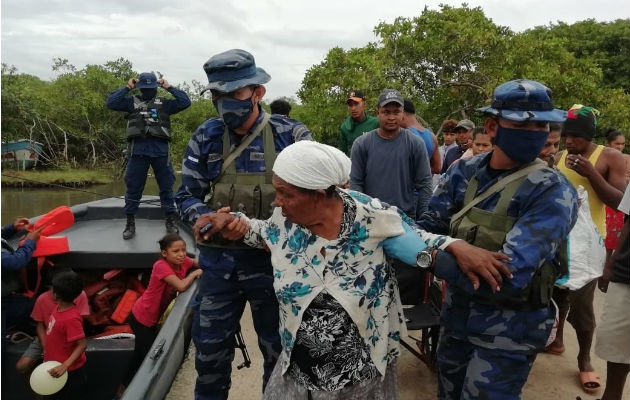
pixel 404 247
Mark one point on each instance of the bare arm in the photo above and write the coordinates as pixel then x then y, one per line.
pixel 608 268
pixel 79 348
pixel 41 333
pixel 436 160
pixel 609 187
pixel 182 284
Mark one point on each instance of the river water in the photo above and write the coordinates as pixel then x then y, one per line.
pixel 32 202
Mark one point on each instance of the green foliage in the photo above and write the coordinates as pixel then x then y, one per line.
pixel 325 87
pixel 448 61
pixel 184 124
pixel 68 115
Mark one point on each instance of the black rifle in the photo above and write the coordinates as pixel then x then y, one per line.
pixel 240 344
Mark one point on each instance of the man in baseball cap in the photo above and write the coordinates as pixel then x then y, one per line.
pixel 391 163
pixel 213 161
pixel 464 131
pixel 489 340
pixel 357 123
pixel 148 143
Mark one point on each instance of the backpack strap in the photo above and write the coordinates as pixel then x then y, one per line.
pixel 228 158
pixel 498 185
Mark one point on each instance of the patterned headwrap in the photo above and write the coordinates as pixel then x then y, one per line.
pixel 581 121
pixel 312 165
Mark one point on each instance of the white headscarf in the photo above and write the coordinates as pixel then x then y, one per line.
pixel 311 165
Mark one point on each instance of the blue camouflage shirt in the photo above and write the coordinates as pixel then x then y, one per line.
pixel 202 163
pixel 545 209
pixel 18 258
pixel 148 146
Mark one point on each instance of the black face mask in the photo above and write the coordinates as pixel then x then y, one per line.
pixel 521 145
pixel 148 94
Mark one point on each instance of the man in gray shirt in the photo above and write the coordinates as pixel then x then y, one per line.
pixel 391 163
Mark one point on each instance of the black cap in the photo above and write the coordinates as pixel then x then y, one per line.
pixel 390 96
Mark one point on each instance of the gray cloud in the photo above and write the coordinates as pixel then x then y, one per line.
pixel 286 38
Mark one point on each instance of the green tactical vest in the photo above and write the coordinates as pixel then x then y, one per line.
pixel 250 193
pixel 488 229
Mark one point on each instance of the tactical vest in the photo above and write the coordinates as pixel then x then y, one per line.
pixel 488 229
pixel 148 119
pixel 250 193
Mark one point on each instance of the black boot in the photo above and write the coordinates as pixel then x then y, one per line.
pixel 170 223
pixel 130 228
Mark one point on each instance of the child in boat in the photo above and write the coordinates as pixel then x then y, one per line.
pixel 43 309
pixel 65 340
pixel 167 277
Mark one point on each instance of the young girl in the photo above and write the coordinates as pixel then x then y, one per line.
pixel 168 276
pixel 65 340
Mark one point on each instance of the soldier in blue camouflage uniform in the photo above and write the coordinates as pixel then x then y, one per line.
pixel 487 347
pixel 231 277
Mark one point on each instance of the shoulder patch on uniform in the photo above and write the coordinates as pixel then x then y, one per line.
pixel 193 159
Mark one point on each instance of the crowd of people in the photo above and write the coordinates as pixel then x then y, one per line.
pixel 326 244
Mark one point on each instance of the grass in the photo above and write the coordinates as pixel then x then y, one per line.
pixel 72 177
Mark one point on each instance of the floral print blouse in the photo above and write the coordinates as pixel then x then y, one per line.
pixel 352 269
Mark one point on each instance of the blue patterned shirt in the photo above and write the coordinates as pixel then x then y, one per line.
pixel 351 268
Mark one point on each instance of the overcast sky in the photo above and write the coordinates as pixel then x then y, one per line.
pixel 285 36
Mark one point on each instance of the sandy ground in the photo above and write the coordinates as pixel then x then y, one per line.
pixel 552 377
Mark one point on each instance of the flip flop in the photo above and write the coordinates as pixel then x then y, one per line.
pixel 590 381
pixel 556 351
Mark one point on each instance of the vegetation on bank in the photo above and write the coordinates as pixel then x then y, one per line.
pixel 65 177
pixel 448 61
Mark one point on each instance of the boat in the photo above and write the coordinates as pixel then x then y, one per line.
pixel 96 249
pixel 21 154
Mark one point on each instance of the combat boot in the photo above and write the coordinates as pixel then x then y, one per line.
pixel 130 228
pixel 170 223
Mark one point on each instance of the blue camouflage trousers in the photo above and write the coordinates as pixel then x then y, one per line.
pixel 216 315
pixel 136 178
pixel 467 372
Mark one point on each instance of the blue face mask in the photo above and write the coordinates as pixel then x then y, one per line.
pixel 234 112
pixel 521 145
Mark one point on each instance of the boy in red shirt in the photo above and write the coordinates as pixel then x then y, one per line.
pixel 43 309
pixel 65 340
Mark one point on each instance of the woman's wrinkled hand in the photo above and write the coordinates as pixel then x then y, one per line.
pixel 236 229
pixel 478 263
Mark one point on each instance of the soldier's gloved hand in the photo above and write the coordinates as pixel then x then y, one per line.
pixel 404 247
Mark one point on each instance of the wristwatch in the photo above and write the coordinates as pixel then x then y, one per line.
pixel 425 257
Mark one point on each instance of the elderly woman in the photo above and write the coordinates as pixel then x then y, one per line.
pixel 340 313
